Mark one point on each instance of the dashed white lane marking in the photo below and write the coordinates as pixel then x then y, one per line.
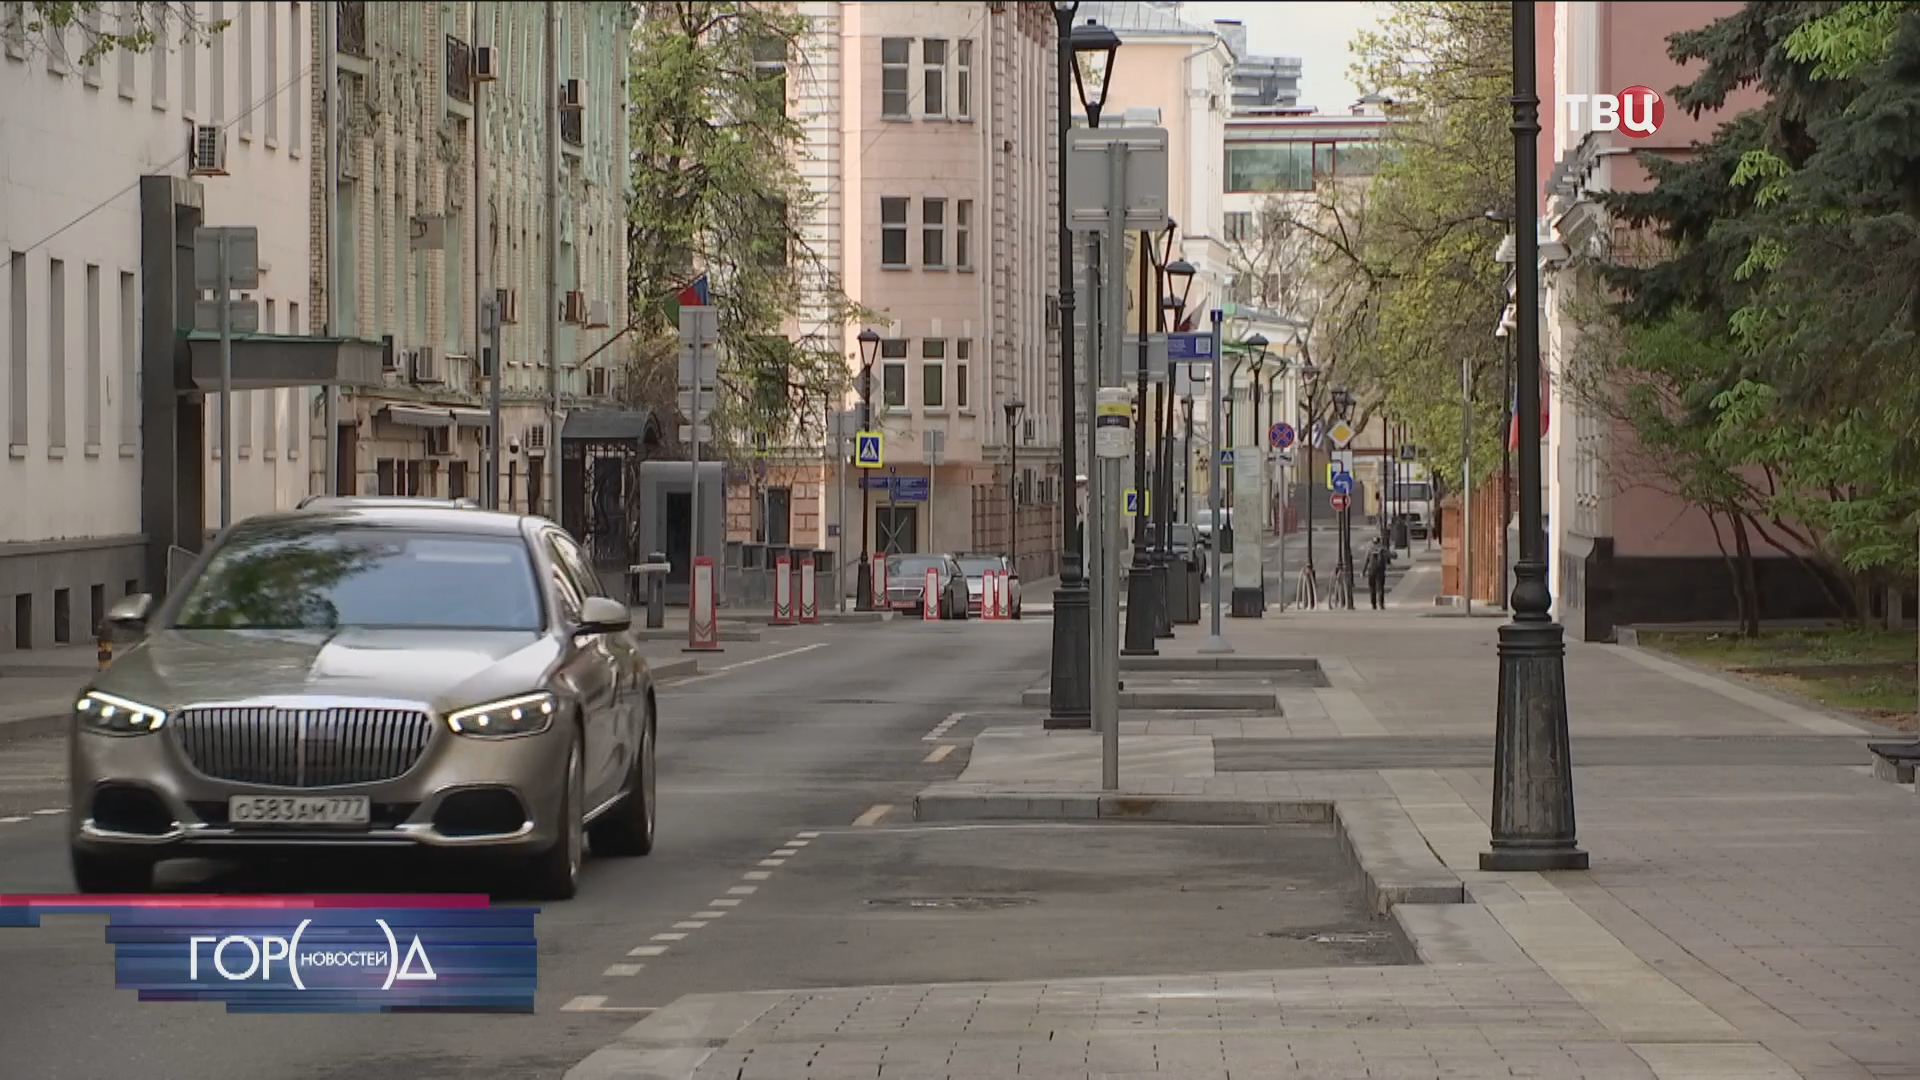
pixel 800 843
pixel 715 909
pixel 808 835
pixel 873 814
pixel 648 950
pixel 773 862
pixel 757 875
pixel 719 671
pixel 726 901
pixel 51 812
pixel 709 914
pixel 598 1003
pixel 743 890
pixel 624 969
pixel 11 820
pixel 669 937
pixel 689 924
pixel 786 853
pixel 939 730
pixel 939 753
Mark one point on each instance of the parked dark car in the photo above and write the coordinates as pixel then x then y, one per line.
pixel 907 584
pixel 353 676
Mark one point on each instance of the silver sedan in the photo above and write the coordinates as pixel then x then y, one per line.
pixel 353 676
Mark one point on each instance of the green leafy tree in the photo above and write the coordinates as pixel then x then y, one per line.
pixel 716 190
pixel 86 30
pixel 1789 241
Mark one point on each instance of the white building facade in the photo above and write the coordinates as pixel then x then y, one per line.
pixel 85 147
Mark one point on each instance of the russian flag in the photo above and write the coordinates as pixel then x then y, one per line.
pixel 1513 410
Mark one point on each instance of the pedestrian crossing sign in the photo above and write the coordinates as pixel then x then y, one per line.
pixel 868 450
pixel 1135 507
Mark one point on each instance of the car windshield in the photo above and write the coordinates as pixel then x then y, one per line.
pixel 914 566
pixel 978 565
pixel 328 579
pixel 1182 535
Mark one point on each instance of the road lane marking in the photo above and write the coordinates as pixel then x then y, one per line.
pixel 743 890
pixel 51 812
pixel 786 853
pixel 598 1003
pixel 800 843
pixel 725 901
pixel 939 754
pixel 690 924
pixel 757 875
pixel 808 835
pixel 709 914
pixel 669 937
pixel 719 671
pixel 940 729
pixel 11 820
pixel 648 950
pixel 873 814
pixel 623 969
pixel 773 862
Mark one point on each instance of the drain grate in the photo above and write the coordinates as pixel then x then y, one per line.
pixel 1362 937
pixel 951 903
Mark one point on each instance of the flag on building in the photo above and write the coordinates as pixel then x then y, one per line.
pixel 1513 411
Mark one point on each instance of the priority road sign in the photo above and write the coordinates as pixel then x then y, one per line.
pixel 1134 501
pixel 869 450
pixel 1340 502
pixel 1341 433
pixel 1280 435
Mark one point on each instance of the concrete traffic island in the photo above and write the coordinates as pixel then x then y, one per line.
pixel 1189 683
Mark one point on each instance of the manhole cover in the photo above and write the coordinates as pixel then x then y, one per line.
pixel 1364 937
pixel 951 903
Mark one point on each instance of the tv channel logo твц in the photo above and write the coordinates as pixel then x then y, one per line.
pixel 1635 112
pixel 290 954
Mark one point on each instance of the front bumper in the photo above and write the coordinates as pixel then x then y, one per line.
pixel 432 805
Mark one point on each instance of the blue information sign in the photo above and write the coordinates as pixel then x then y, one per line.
pixel 899 488
pixel 1190 346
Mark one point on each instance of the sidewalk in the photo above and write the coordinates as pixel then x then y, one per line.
pixel 1752 911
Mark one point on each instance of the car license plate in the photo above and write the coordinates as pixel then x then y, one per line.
pixel 298 810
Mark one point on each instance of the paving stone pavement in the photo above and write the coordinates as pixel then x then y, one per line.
pixel 1752 911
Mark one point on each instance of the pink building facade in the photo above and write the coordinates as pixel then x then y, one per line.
pixel 1624 549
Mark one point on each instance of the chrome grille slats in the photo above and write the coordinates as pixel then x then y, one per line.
pixel 302 748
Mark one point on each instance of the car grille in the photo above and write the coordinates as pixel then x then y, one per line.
pixel 302 748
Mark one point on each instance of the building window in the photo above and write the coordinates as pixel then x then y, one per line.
pixel 271 43
pixel 933 234
pixel 217 68
pixel 933 373
pixel 96 388
pixel 1294 166
pixel 129 20
pixel 963 234
pixel 770 69
pixel 893 373
pixel 962 367
pixel 893 233
pixel 160 32
pixel 129 351
pixel 1239 226
pixel 17 349
pixel 245 26
pixel 895 55
pixel 933 62
pixel 296 90
pixel 963 80
pixel 56 355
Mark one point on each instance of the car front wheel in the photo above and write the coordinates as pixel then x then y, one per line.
pixel 556 871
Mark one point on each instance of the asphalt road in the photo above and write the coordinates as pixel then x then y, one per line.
pixel 787 859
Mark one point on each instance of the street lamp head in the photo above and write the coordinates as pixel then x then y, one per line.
pixel 869 345
pixel 1180 275
pixel 1014 409
pixel 1093 48
pixel 1258 343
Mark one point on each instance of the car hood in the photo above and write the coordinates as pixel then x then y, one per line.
pixel 443 669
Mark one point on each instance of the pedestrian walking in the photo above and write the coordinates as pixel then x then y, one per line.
pixel 1376 570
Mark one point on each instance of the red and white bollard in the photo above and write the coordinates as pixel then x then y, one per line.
pixel 1002 595
pixel 783 591
pixel 990 595
pixel 703 607
pixel 809 593
pixel 930 599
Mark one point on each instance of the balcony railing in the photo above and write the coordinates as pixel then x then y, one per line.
pixel 352 27
pixel 459 70
pixel 573 128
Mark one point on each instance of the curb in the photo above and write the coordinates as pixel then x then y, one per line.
pixel 673 669
pixel 1261 701
pixel 1387 851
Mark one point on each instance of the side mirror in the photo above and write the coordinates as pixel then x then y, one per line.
pixel 130 612
pixel 599 615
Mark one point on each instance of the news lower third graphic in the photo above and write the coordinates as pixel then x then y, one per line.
pixel 318 954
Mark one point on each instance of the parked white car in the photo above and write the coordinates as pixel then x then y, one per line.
pixel 976 565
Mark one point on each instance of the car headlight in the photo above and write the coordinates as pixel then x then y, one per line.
pixel 111 715
pixel 527 714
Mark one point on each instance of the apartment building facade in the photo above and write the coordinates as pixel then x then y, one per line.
pixel 111 426
pixel 412 265
pixel 929 151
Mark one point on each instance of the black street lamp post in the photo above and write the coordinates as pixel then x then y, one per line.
pixel 1533 819
pixel 1342 408
pixel 1070 697
pixel 863 597
pixel 1145 600
pixel 1176 276
pixel 1013 409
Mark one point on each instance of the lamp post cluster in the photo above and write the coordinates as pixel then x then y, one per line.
pixel 1149 614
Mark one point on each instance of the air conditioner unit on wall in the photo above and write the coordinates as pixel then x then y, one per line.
pixel 426 365
pixel 598 314
pixel 207 151
pixel 486 63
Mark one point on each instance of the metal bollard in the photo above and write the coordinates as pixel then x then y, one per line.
pixel 657 592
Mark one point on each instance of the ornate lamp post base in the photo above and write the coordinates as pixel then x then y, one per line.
pixel 1070 697
pixel 1143 622
pixel 1163 596
pixel 1533 819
